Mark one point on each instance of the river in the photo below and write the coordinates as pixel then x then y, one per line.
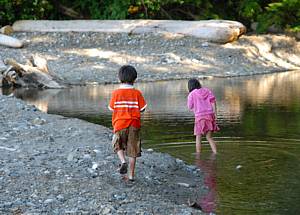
pixel 257 168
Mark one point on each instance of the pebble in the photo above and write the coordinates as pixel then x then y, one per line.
pixel 183 184
pixel 60 197
pixel 48 201
pixel 150 150
pixel 205 44
pixel 70 156
pixel 106 211
pixel 87 157
pixel 95 166
pixel 238 167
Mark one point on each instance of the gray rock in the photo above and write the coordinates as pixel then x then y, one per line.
pixel 38 121
pixel 70 156
pixel 48 201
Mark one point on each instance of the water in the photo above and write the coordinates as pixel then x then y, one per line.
pixel 257 167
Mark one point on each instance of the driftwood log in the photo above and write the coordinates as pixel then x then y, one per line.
pixel 218 31
pixel 34 74
pixel 10 41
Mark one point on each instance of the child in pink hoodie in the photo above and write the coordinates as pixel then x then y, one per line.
pixel 203 103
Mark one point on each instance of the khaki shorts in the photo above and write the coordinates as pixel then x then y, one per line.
pixel 128 139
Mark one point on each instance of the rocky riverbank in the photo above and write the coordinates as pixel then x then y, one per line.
pixel 55 165
pixel 94 57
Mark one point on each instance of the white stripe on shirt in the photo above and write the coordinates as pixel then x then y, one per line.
pixel 127 106
pixel 126 102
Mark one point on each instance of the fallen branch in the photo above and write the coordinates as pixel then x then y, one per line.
pixel 34 74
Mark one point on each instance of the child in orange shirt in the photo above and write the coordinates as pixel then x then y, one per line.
pixel 127 103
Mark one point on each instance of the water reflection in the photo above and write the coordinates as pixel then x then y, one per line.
pixel 260 121
pixel 208 166
pixel 233 94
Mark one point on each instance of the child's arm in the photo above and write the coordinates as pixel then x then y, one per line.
pixel 111 104
pixel 142 103
pixel 214 105
pixel 190 102
pixel 213 102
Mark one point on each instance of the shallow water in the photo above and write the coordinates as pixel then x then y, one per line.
pixel 257 167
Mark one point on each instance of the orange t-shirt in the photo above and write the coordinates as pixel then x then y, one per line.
pixel 126 104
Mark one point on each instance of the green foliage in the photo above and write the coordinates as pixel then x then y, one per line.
pixel 284 14
pixel 95 9
pixel 10 10
pixel 250 9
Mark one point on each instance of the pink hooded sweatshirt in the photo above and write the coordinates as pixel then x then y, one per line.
pixel 201 101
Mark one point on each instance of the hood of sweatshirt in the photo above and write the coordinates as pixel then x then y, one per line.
pixel 202 92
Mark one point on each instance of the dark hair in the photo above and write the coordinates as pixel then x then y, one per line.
pixel 193 84
pixel 127 74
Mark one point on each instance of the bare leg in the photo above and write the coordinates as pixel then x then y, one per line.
pixel 211 141
pixel 198 143
pixel 121 156
pixel 132 162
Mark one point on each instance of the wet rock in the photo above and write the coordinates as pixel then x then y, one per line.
pixel 191 168
pixel 238 167
pixel 178 161
pixel 149 150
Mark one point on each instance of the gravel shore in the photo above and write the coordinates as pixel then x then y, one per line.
pixel 94 58
pixel 55 165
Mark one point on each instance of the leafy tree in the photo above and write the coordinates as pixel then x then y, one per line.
pixel 284 14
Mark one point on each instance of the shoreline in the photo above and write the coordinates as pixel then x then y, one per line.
pixel 94 58
pixel 48 166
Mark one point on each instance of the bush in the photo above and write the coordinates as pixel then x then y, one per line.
pixel 281 13
pixel 11 10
